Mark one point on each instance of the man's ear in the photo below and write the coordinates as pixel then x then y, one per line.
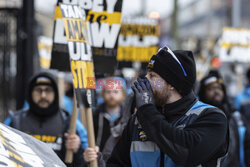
pixel 170 87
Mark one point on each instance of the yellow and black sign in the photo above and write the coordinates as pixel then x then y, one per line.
pixel 75 29
pixel 81 63
pixel 104 17
pixel 140 30
pixel 138 40
pixel 235 45
pixel 83 74
pixel 130 53
pixel 103 22
pixel 44 49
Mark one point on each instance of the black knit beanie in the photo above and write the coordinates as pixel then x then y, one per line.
pixel 177 68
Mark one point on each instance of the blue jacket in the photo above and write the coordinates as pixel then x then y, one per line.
pixel 242 97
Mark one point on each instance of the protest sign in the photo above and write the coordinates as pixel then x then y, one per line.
pixel 80 52
pixel 82 67
pixel 59 54
pixel 138 40
pixel 20 149
pixel 234 45
pixel 44 49
pixel 103 19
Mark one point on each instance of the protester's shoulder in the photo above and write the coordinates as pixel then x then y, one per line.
pixel 65 114
pixel 213 111
pixel 18 113
pixel 213 114
pixel 213 117
pixel 202 109
pixel 243 95
pixel 16 117
pixel 98 110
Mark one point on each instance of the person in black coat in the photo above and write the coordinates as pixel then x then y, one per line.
pixel 107 119
pixel 45 120
pixel 171 126
pixel 213 91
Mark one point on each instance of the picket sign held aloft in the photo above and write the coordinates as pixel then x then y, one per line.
pixel 234 45
pixel 44 50
pixel 80 53
pixel 103 22
pixel 82 69
pixel 138 40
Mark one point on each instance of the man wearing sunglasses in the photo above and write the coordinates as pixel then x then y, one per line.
pixel 45 121
pixel 171 127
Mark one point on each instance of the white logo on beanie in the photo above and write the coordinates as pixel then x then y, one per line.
pixel 152 62
pixel 171 53
pixel 174 56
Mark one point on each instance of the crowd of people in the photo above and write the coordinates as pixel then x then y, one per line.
pixel 163 122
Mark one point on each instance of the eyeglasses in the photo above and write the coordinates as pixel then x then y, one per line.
pixel 176 59
pixel 47 90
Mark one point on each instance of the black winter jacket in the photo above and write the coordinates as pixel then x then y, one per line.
pixel 50 130
pixel 202 142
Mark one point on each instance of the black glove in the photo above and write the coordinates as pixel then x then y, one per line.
pixel 143 92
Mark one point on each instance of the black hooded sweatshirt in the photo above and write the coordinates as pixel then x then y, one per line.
pixel 47 125
pixel 205 138
pixel 233 155
pixel 226 106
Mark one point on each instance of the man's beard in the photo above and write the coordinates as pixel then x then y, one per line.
pixel 113 103
pixel 160 97
pixel 52 109
pixel 43 101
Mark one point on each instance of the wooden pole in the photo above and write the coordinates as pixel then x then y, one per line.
pixel 83 118
pixel 90 127
pixel 91 135
pixel 72 130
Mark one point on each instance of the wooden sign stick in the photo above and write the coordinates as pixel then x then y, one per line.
pixel 83 118
pixel 90 127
